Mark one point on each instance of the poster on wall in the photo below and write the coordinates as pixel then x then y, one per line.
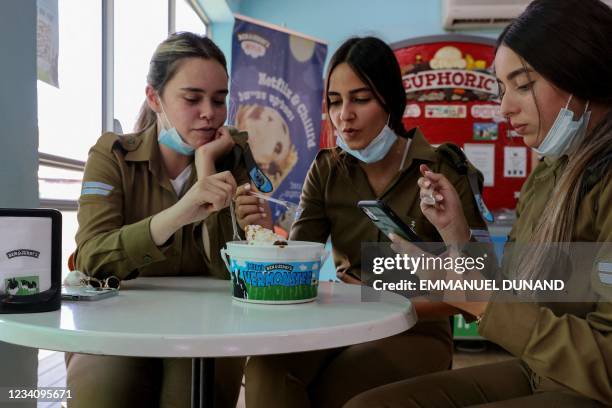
pixel 452 96
pixel 483 157
pixel 276 96
pixel 515 162
pixel 485 131
pixel 47 41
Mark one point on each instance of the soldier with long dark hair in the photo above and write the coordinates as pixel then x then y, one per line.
pixel 554 65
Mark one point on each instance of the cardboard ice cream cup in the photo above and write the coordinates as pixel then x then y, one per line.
pixel 274 274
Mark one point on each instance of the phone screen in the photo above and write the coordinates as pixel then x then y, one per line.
pixel 387 221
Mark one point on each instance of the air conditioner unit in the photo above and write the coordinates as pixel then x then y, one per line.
pixel 470 14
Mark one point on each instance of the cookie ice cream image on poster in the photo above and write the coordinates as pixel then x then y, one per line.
pixel 269 139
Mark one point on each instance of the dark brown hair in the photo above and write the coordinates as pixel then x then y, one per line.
pixel 569 43
pixel 374 62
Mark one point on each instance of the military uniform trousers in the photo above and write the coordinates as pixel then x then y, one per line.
pixel 499 385
pixel 329 378
pixel 135 382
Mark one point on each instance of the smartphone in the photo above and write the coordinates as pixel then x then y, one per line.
pixel 386 220
pixel 87 293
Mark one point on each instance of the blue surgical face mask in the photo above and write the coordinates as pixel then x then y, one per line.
pixel 565 134
pixel 376 150
pixel 170 137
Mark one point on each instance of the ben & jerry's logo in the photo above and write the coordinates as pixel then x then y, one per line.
pixel 22 252
pixel 253 45
pixel 279 267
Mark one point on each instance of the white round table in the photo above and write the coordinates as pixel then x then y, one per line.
pixel 196 317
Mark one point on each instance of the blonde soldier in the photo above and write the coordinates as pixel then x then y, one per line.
pixel 556 94
pixel 376 159
pixel 155 203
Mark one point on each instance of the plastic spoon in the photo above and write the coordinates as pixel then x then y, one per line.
pixel 235 236
pixel 286 204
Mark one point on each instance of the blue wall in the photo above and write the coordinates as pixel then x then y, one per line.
pixel 336 20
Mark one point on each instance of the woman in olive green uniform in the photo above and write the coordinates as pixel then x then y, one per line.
pixel 376 159
pixel 554 64
pixel 154 203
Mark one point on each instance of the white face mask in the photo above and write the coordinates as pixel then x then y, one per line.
pixel 170 137
pixel 565 134
pixel 376 150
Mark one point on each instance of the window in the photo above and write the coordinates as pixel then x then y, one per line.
pixel 187 19
pixel 69 120
pixel 139 26
pixel 59 187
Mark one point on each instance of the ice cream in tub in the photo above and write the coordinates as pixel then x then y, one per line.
pixel 267 269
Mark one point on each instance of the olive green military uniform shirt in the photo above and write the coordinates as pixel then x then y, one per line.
pixel 124 185
pixel 330 195
pixel 567 345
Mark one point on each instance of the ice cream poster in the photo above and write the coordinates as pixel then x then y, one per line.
pixel 276 95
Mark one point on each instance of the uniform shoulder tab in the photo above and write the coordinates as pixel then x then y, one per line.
pixel 235 157
pixel 453 154
pixel 596 172
pixel 129 142
pixel 109 140
pixel 330 158
pixel 240 137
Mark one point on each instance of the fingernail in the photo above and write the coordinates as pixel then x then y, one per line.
pixel 439 197
pixel 427 172
pixel 392 236
pixel 427 184
pixel 263 215
pixel 247 186
pixel 262 201
pixel 261 209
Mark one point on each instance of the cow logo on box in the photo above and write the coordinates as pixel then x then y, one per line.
pixel 21 285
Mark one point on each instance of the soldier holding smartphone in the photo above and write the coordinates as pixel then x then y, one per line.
pixel 376 158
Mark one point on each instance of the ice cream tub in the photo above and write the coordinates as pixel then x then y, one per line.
pixel 274 274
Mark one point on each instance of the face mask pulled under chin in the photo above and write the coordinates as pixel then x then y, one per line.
pixel 565 134
pixel 375 151
pixel 169 137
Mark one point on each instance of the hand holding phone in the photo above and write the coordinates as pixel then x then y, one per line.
pixel 386 220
